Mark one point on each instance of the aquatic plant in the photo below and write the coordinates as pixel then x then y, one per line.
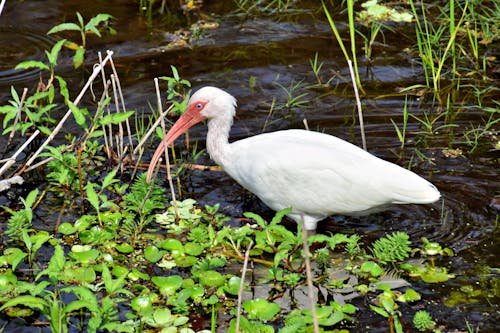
pixel 96 24
pixel 422 320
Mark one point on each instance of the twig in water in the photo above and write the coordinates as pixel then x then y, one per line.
pixel 1 6
pixel 167 159
pixel 358 104
pixel 306 125
pixel 309 276
pixel 12 159
pixel 242 285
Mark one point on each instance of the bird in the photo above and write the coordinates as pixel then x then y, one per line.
pixel 315 174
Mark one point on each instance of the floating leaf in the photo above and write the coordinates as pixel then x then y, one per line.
pixel 211 279
pixel 261 309
pixel 168 284
pixel 124 248
pixel 371 267
pixel 153 254
pixel 233 285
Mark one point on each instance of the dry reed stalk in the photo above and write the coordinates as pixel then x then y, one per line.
pixel 106 83
pixel 306 124
pixel 10 161
pixel 122 103
pixel 167 158
pixel 242 286
pixel 119 140
pixel 358 104
pixel 1 6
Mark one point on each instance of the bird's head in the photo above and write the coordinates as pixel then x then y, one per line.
pixel 205 104
pixel 211 102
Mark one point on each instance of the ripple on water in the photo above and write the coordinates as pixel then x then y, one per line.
pixel 20 45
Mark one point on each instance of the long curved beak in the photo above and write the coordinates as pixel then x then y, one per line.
pixel 191 117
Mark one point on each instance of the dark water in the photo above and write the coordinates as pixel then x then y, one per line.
pixel 277 51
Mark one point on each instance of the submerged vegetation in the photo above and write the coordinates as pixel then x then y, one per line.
pixel 130 262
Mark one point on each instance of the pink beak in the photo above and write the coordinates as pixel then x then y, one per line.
pixel 191 117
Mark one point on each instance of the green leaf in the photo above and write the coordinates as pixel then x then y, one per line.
pixel 380 311
pixel 32 64
pixel 80 20
pixel 64 27
pixel 233 285
pixel 95 21
pixel 257 218
pixel 371 267
pixel 436 275
pixel 38 239
pixel 56 265
pixel 79 57
pixel 124 248
pixel 167 285
pixel 63 88
pixel 31 198
pixel 279 215
pixel 261 309
pixel 109 179
pixel 54 52
pixel 78 114
pixel 14 256
pixel 66 228
pixel 175 73
pixel 14 94
pixel 78 305
pixel 115 118
pixel 211 279
pixel 153 254
pixel 92 196
pixel 26 300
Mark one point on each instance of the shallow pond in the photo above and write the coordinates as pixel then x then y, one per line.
pixel 253 57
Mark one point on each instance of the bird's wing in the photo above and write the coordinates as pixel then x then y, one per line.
pixel 317 173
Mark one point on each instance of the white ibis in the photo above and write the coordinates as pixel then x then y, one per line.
pixel 315 174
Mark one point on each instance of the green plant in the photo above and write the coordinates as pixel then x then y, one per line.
pixel 92 26
pixel 386 306
pixel 392 248
pixel 352 35
pixel 316 67
pixel 374 16
pixel 429 42
pixel 37 114
pixel 20 223
pixel 402 133
pixel 52 58
pixel 176 87
pixel 294 99
pixel 264 6
pixel 141 201
pixel 422 320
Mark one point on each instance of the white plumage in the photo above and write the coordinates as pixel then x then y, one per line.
pixel 315 174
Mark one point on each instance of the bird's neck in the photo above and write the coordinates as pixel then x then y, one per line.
pixel 217 139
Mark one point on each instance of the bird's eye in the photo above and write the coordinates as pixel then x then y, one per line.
pixel 199 106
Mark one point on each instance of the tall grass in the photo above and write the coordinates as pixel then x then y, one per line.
pixel 352 36
pixel 430 41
